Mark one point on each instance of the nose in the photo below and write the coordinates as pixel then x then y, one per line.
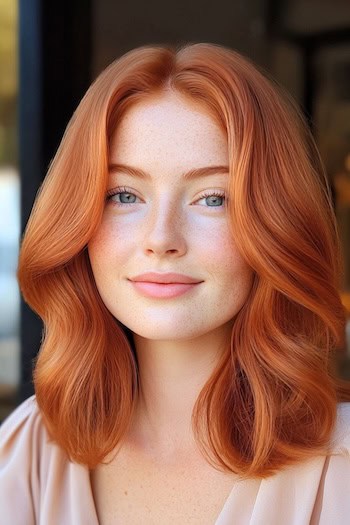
pixel 164 231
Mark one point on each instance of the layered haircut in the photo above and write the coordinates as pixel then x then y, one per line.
pixel 271 401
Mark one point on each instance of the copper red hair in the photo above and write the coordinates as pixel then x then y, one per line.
pixel 271 401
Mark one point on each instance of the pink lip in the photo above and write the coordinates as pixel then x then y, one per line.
pixel 162 290
pixel 163 285
pixel 164 278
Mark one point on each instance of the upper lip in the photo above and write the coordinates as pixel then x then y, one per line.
pixel 170 277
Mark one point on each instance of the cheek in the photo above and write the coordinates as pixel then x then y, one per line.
pixel 234 274
pixel 220 252
pixel 230 277
pixel 103 253
pixel 108 245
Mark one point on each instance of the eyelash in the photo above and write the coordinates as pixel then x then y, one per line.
pixel 123 189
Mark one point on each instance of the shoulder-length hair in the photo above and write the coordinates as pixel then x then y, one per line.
pixel 271 401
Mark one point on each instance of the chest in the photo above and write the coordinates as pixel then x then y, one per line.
pixel 134 491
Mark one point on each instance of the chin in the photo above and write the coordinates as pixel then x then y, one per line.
pixel 172 333
pixel 165 335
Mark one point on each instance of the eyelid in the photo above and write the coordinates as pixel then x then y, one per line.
pixel 212 192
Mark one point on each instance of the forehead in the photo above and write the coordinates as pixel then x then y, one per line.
pixel 168 129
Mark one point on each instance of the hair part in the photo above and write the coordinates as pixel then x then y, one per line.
pixel 271 401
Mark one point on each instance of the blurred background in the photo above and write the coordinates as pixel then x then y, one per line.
pixel 51 51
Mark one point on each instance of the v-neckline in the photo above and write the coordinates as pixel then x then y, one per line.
pixel 220 520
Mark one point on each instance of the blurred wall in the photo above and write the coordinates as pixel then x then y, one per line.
pixel 120 26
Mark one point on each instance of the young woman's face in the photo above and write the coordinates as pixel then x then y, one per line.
pixel 162 216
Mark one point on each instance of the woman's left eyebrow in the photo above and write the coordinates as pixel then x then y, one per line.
pixel 190 175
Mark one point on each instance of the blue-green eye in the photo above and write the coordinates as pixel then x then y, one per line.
pixel 126 198
pixel 213 199
pixel 121 196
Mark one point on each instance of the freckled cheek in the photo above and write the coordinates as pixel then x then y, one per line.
pixel 226 262
pixel 109 245
pixel 217 245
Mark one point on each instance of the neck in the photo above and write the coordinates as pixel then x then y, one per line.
pixel 171 376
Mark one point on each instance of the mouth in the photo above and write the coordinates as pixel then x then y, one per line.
pixel 165 278
pixel 162 290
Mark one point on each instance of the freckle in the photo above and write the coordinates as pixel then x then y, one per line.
pixel 125 492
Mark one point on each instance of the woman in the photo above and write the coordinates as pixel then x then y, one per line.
pixel 183 256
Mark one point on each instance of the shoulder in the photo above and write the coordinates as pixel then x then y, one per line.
pixel 21 437
pixel 22 430
pixel 316 491
pixel 25 444
pixel 26 417
pixel 332 504
pixel 38 482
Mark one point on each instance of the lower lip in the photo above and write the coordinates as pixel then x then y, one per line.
pixel 161 290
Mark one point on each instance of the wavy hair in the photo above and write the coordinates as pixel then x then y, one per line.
pixel 271 400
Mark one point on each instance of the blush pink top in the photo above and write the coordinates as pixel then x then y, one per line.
pixel 39 485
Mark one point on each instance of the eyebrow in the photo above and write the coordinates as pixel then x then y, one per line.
pixel 190 175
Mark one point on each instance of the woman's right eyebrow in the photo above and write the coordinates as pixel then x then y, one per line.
pixel 192 174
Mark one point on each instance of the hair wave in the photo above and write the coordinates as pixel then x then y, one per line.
pixel 271 401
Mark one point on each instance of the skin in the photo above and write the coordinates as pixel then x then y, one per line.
pixel 169 225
